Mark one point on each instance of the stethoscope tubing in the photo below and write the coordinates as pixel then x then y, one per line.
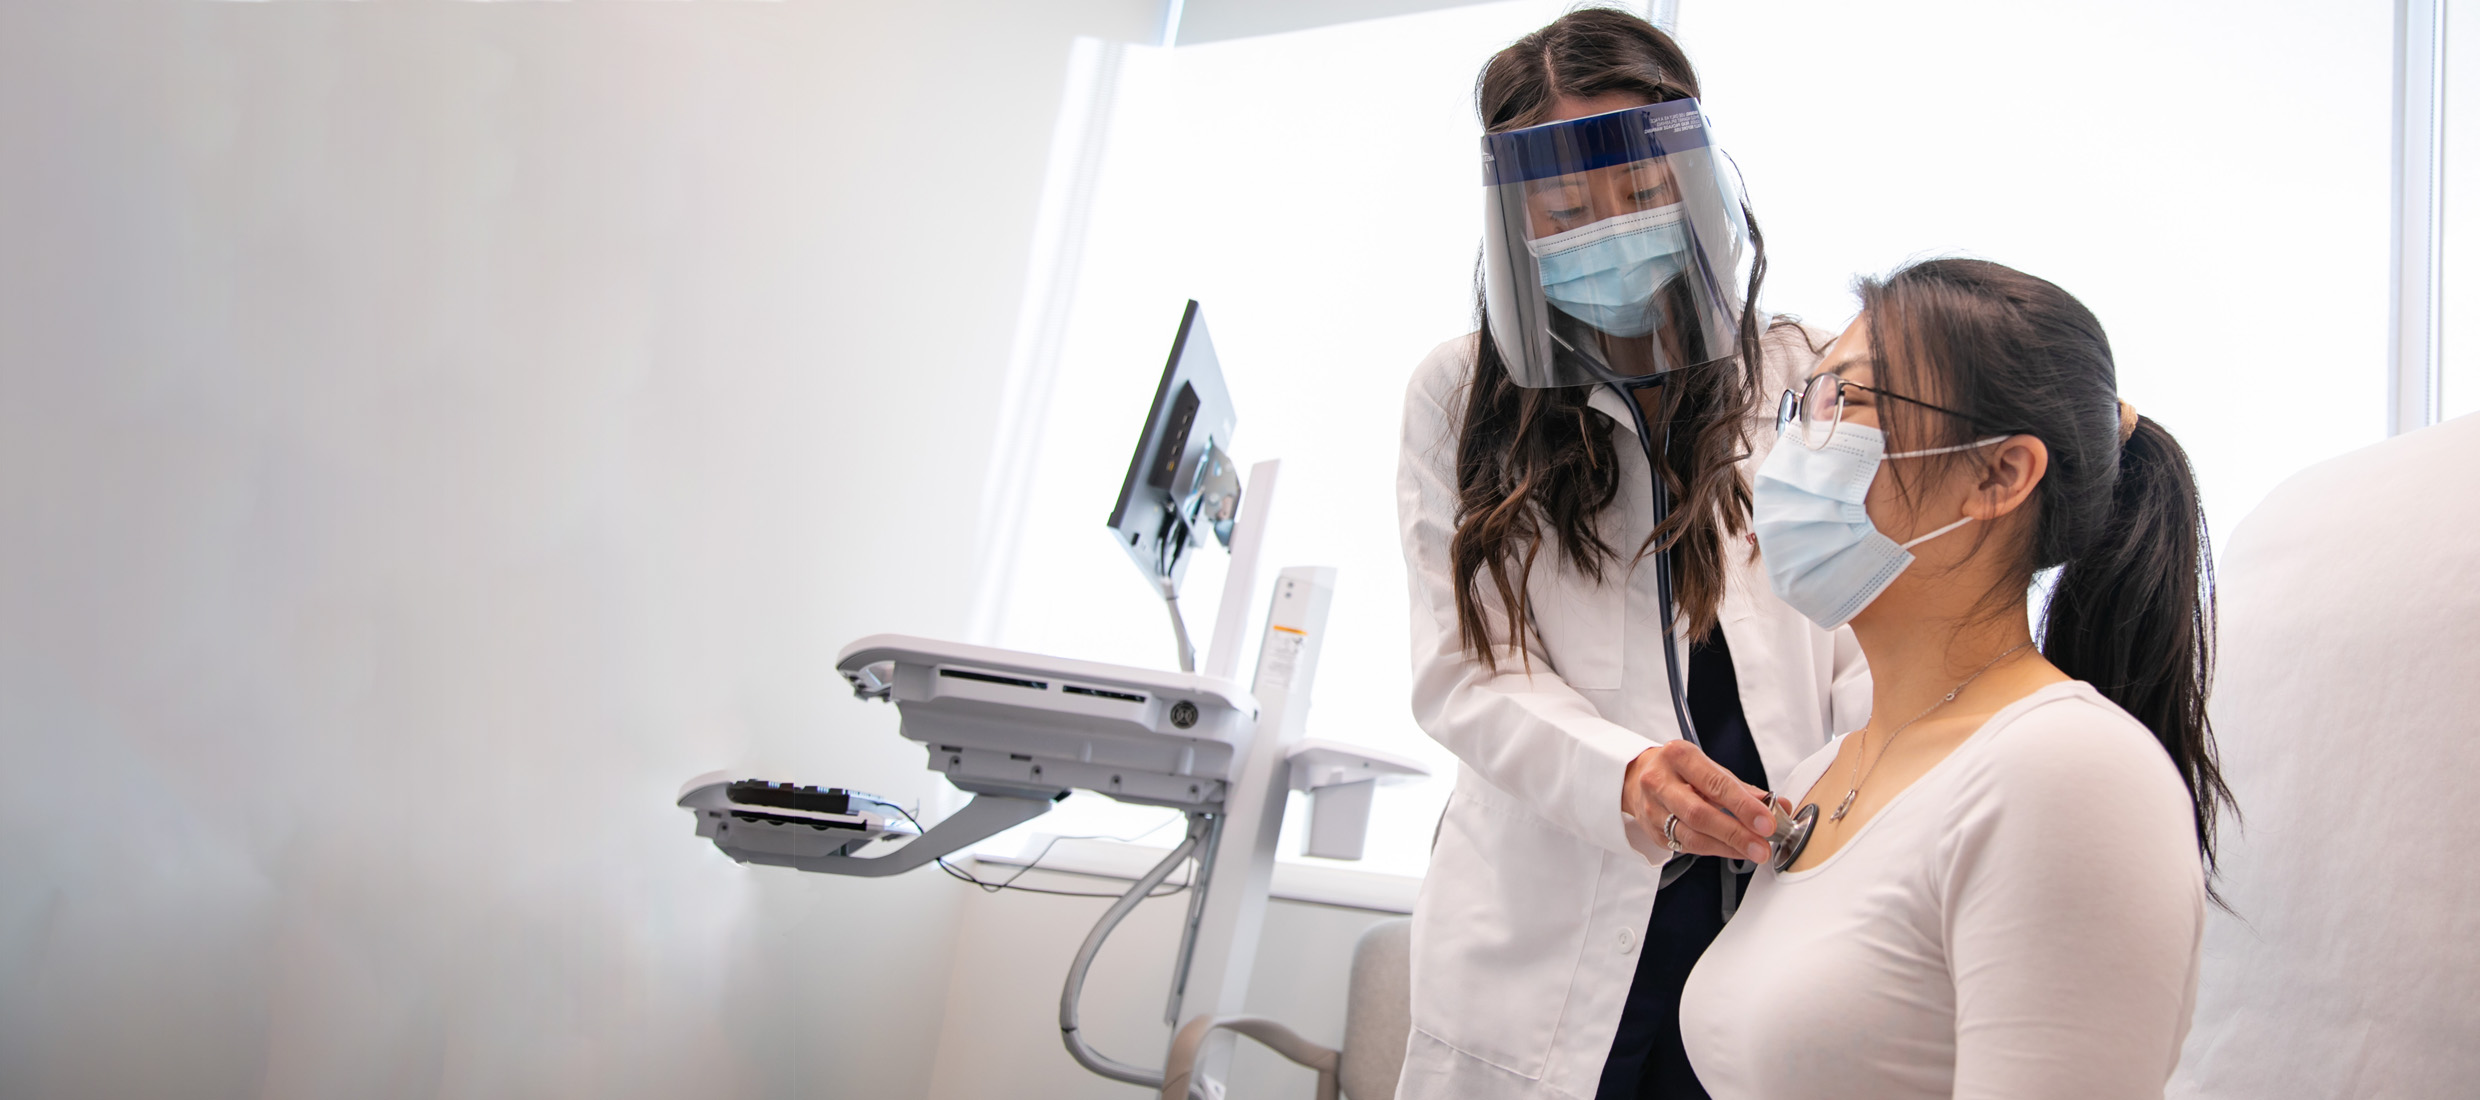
pixel 1661 554
pixel 1790 836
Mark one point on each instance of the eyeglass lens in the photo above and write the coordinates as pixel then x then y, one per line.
pixel 1821 409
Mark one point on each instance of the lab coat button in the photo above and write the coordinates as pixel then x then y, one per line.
pixel 1627 941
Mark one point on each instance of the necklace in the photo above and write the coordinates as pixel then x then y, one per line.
pixel 1949 697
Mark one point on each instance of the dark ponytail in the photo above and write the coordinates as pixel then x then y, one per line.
pixel 2131 612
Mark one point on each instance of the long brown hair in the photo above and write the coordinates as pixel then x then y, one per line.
pixel 1535 463
pixel 2117 513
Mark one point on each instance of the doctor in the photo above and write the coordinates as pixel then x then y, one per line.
pixel 1565 903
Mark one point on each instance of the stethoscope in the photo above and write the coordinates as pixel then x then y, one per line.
pixel 1791 829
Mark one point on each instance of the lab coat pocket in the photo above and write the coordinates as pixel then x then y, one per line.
pixel 1498 933
pixel 1582 625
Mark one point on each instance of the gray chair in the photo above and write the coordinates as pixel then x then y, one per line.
pixel 1377 1019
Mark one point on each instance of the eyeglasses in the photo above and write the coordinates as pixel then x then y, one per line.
pixel 1816 408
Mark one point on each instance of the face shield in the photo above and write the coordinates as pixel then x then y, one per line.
pixel 1613 247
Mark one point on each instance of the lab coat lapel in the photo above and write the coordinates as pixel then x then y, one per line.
pixel 1607 402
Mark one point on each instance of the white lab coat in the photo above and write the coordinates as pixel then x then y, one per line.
pixel 2347 703
pixel 1525 934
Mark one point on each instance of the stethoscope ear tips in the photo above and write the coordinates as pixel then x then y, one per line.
pixel 1791 832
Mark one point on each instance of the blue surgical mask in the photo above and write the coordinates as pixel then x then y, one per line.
pixel 1810 512
pixel 1605 274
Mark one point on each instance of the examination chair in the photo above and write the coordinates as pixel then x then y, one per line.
pixel 1377 1019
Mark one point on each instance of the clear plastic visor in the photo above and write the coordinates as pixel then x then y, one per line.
pixel 1614 247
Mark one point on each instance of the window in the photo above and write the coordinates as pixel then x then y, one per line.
pixel 1317 191
pixel 2169 165
pixel 2459 293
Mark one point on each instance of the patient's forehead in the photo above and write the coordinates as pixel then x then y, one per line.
pixel 1847 354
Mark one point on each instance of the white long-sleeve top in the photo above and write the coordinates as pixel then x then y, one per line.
pixel 2020 923
pixel 1525 935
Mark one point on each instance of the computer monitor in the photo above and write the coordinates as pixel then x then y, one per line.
pixel 1181 482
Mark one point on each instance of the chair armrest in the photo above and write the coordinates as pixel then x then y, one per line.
pixel 1282 1040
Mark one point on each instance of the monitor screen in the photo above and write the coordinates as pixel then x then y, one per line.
pixel 1181 469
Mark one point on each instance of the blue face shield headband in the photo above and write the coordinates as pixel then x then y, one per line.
pixel 1615 227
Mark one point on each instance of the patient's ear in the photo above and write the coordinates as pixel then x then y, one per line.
pixel 2009 471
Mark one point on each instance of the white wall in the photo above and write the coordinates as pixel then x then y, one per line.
pixel 430 433
pixel 2211 178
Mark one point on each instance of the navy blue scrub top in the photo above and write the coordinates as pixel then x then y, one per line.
pixel 1646 1058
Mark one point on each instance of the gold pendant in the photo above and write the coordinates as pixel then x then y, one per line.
pixel 1845 808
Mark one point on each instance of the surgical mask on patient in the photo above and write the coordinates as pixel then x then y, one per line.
pixel 1811 516
pixel 1605 274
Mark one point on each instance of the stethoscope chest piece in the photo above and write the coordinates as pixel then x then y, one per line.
pixel 1791 832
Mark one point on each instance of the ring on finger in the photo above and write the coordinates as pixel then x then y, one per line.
pixel 1670 833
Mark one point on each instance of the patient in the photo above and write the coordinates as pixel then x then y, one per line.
pixel 2003 893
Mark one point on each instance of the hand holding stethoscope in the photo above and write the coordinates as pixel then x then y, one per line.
pixel 1678 800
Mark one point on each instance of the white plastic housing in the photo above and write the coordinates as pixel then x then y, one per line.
pixel 1002 719
pixel 1342 780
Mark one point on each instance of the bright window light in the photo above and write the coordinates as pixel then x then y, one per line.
pixel 2212 179
pixel 2458 299
pixel 1318 193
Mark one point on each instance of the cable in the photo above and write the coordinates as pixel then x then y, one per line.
pixel 1189 925
pixel 961 875
pixel 1009 883
pixel 1199 824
